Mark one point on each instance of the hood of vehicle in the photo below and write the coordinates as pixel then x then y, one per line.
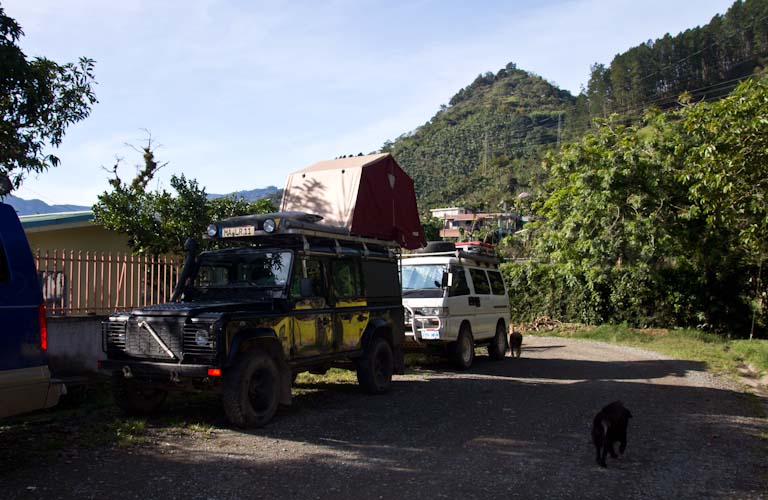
pixel 197 308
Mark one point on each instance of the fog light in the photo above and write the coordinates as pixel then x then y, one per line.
pixel 212 230
pixel 269 225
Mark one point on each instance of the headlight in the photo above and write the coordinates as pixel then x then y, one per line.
pixel 202 338
pixel 212 230
pixel 269 225
pixel 432 311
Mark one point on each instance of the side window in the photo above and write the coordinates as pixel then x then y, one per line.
pixel 480 280
pixel 382 279
pixel 314 273
pixel 460 285
pixel 497 282
pixel 5 271
pixel 346 278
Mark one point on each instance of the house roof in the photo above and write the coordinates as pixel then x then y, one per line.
pixel 61 220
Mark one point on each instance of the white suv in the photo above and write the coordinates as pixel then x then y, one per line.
pixel 455 299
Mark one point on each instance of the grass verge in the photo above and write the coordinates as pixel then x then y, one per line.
pixel 720 354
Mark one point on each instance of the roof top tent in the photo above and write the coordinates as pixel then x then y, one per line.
pixel 370 196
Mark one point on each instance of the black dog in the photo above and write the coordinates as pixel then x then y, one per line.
pixel 515 342
pixel 609 426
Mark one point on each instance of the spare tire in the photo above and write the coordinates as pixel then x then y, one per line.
pixel 438 246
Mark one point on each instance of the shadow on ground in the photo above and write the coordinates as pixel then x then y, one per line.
pixel 512 429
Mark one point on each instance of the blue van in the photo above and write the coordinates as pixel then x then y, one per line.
pixel 25 381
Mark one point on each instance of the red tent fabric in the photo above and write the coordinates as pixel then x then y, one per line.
pixel 370 195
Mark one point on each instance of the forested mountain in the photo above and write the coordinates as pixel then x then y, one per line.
pixel 249 195
pixel 707 62
pixel 493 131
pixel 486 145
pixel 31 207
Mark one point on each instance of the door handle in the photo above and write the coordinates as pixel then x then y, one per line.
pixel 362 317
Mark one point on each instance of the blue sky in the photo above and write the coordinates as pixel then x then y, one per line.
pixel 237 94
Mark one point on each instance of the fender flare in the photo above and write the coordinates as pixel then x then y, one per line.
pixel 373 326
pixel 274 349
pixel 245 336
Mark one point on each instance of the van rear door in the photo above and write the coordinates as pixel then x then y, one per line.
pixel 24 374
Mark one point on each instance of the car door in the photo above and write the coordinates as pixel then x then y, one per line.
pixel 350 305
pixel 312 332
pixel 481 300
pixel 459 302
pixel 499 298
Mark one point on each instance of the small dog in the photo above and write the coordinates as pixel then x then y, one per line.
pixel 515 342
pixel 610 426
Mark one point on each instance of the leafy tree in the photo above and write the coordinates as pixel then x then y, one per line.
pixel 159 222
pixel 432 227
pixel 39 99
pixel 611 198
pixel 726 171
pixel 726 168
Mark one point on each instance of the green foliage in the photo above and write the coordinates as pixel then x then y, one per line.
pixel 39 99
pixel 663 220
pixel 726 168
pixel 159 222
pixel 635 295
pixel 432 227
pixel 612 198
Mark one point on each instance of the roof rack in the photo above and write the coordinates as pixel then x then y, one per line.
pixel 271 228
pixel 459 254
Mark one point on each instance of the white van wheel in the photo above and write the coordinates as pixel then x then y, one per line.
pixel 463 350
pixel 497 349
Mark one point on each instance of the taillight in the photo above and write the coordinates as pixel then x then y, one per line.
pixel 214 372
pixel 43 327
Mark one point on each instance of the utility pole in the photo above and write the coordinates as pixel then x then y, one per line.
pixel 559 119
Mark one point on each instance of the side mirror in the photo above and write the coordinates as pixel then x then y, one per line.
pixel 447 280
pixel 306 288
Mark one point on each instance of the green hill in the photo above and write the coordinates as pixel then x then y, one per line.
pixel 486 145
pixel 494 129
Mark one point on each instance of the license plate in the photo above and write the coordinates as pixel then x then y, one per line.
pixel 234 232
pixel 430 334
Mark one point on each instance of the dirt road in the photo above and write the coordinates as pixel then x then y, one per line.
pixel 512 429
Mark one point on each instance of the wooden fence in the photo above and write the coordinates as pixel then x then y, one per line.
pixel 77 283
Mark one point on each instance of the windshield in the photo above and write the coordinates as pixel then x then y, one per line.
pixel 226 275
pixel 426 277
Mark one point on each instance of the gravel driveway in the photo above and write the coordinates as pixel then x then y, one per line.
pixel 512 429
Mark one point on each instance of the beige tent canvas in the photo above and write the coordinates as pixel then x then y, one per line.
pixel 370 196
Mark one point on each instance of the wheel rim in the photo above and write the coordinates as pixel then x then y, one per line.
pixel 261 390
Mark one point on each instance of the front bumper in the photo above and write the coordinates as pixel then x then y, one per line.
pixel 155 371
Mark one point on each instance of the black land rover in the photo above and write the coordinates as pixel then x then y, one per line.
pixel 288 295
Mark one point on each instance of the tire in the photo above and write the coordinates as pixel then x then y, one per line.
pixel 251 391
pixel 463 350
pixel 497 349
pixel 136 398
pixel 375 368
